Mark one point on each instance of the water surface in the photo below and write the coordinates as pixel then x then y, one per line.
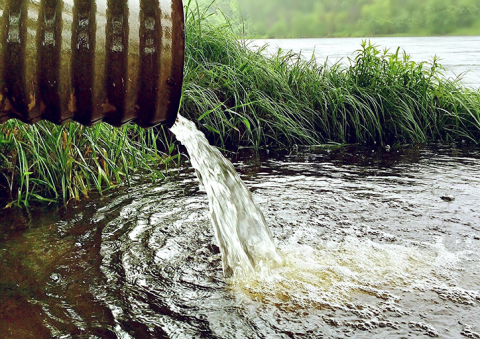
pixel 372 251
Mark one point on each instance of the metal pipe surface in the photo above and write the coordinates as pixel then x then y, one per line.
pixel 117 61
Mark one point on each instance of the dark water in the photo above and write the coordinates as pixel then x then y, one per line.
pixel 372 251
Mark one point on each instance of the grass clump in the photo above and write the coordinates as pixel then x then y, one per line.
pixel 49 163
pixel 241 97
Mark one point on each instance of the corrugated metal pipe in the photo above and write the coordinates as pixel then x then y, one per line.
pixel 117 61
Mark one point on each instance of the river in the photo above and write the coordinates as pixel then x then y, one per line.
pixel 459 55
pixel 377 244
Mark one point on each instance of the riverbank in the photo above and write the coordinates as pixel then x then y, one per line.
pixel 243 98
pixel 458 55
pixel 239 97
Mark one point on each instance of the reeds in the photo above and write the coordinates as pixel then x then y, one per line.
pixel 241 97
pixel 50 163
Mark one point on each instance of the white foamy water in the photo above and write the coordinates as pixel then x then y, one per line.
pixel 365 285
pixel 243 236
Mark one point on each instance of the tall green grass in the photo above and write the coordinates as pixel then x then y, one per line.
pixel 241 97
pixel 50 163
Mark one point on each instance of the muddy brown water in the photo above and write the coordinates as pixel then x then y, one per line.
pixel 377 245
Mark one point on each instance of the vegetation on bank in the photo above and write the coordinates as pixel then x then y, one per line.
pixel 345 18
pixel 239 97
pixel 50 163
pixel 244 98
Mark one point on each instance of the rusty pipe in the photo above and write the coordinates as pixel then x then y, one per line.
pixel 117 61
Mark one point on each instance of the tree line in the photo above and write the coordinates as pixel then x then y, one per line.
pixel 343 18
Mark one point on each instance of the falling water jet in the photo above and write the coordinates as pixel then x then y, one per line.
pixel 245 241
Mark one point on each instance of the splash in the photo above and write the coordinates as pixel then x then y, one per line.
pixel 245 241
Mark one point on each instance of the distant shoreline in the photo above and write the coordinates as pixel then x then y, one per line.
pixel 365 37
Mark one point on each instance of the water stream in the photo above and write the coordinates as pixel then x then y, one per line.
pixel 240 228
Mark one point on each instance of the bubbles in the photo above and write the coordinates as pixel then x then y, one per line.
pixel 335 273
pixel 355 284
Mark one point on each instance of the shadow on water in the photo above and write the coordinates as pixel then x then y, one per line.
pixel 48 260
pixel 372 252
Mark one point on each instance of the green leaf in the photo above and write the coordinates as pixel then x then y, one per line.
pixel 210 111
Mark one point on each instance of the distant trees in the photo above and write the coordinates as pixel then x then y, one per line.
pixel 330 18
